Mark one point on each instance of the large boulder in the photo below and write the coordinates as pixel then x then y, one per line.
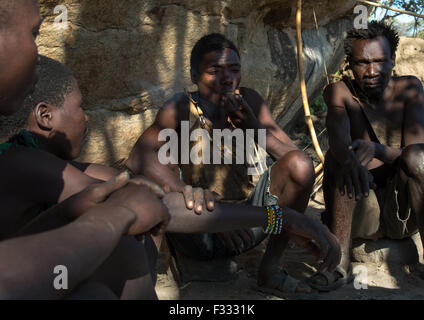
pixel 409 58
pixel 130 56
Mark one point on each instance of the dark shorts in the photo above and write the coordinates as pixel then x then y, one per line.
pixel 208 246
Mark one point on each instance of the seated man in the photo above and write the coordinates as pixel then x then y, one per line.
pixel 56 123
pixel 220 103
pixel 34 258
pixel 375 124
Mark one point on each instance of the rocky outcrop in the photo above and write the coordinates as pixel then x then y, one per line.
pixel 409 58
pixel 130 56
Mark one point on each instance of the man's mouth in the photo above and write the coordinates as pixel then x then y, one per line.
pixel 372 84
pixel 225 90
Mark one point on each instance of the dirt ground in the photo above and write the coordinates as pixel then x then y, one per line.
pixel 388 276
pixel 385 280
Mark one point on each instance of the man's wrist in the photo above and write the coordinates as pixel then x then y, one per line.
pixel 118 217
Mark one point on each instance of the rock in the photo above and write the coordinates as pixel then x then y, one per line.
pixel 387 251
pixel 409 57
pixel 131 56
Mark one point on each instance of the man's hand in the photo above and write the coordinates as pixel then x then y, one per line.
pixel 353 177
pixel 237 240
pixel 151 215
pixel 241 114
pixel 302 229
pixel 365 151
pixel 196 198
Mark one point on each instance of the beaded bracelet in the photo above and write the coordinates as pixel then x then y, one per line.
pixel 275 220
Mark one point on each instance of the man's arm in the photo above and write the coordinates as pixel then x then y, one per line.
pixel 144 159
pixel 277 141
pixel 33 259
pixel 414 112
pixel 40 177
pixel 337 123
pixel 352 175
pixel 413 125
pixel 96 171
pixel 129 210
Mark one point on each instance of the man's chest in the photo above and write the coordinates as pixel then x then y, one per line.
pixel 383 121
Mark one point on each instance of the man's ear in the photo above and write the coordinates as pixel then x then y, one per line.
pixel 394 59
pixel 194 76
pixel 44 113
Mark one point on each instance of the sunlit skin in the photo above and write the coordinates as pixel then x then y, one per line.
pixel 372 64
pixel 355 161
pixel 218 73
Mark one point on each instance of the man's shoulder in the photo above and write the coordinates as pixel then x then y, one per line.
pixel 26 159
pixel 24 166
pixel 407 82
pixel 335 87
pixel 173 111
pixel 177 101
pixel 337 94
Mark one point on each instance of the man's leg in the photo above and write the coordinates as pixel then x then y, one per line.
pixel 292 179
pixel 412 174
pixel 127 271
pixel 339 209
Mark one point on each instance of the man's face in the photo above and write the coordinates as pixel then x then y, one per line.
pixel 219 73
pixel 18 55
pixel 70 126
pixel 372 65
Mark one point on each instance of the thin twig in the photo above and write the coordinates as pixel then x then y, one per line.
pixel 391 8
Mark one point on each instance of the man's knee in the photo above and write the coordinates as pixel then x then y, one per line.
pixel 299 166
pixel 412 161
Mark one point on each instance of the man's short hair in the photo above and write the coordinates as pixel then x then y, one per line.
pixel 375 29
pixel 55 82
pixel 209 43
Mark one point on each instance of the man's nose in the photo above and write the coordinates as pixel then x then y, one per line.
pixel 226 76
pixel 372 70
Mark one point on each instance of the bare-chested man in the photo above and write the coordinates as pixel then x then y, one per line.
pixel 27 263
pixel 57 124
pixel 216 70
pixel 375 124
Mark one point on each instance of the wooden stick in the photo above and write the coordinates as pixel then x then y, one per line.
pixel 391 8
pixel 303 90
pixel 318 168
